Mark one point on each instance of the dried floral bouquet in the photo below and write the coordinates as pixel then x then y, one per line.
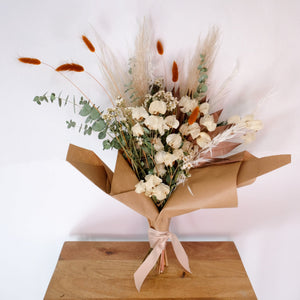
pixel 163 121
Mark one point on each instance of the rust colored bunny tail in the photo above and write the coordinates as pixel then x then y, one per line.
pixel 29 60
pixel 174 71
pixel 159 47
pixel 70 67
pixel 88 43
pixel 194 115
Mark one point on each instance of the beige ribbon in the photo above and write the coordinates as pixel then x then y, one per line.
pixel 158 240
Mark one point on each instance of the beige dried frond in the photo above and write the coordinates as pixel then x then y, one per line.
pixel 209 48
pixel 114 69
pixel 141 62
pixel 217 97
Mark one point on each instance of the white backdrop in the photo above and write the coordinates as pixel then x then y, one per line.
pixel 45 201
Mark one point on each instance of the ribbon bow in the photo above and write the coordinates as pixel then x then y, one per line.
pixel 158 240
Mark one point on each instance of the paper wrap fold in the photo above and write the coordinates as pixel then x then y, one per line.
pixel 214 186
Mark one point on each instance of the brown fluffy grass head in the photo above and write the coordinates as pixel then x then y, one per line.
pixel 159 47
pixel 88 43
pixel 174 72
pixel 70 67
pixel 29 60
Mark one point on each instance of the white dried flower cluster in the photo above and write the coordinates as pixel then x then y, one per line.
pixel 153 186
pixel 167 98
pixel 187 104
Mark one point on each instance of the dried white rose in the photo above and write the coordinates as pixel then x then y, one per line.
pixel 204 108
pixel 234 119
pixel 249 137
pixel 157 107
pixel 172 122
pixel 152 180
pixel 183 129
pixel 160 170
pixel 156 123
pixel 161 191
pixel 137 130
pixel 187 146
pixel 254 125
pixel 209 122
pixel 203 140
pixel 160 157
pixel 179 154
pixel 187 104
pixel 194 130
pixel 169 159
pixel 174 140
pixel 158 145
pixel 139 113
pixel 140 187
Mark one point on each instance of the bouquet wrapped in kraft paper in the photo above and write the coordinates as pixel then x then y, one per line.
pixel 175 143
pixel 213 186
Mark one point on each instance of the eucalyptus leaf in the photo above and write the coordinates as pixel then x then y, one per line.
pixel 99 125
pixel 86 110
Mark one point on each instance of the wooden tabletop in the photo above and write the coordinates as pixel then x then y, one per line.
pixel 104 270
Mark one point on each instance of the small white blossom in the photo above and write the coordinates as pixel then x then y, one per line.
pixel 194 130
pixel 169 159
pixel 204 108
pixel 139 113
pixel 249 137
pixel 183 129
pixel 209 122
pixel 160 157
pixel 152 180
pixel 179 154
pixel 120 102
pixel 161 191
pixel 172 122
pixel 137 130
pixel 160 170
pixel 157 107
pixel 156 123
pixel 187 146
pixel 187 104
pixel 158 145
pixel 174 140
pixel 140 187
pixel 203 140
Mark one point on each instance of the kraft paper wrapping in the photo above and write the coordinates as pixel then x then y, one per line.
pixel 213 186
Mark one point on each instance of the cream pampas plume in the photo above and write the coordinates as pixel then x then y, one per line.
pixel 141 70
pixel 208 48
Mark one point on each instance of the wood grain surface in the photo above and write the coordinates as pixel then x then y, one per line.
pixel 104 270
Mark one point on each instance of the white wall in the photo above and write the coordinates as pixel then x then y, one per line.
pixel 45 201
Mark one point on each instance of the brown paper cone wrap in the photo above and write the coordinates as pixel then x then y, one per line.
pixel 209 187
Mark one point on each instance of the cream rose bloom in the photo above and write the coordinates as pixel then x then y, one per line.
pixel 172 122
pixel 139 113
pixel 140 187
pixel 174 140
pixel 203 140
pixel 156 123
pixel 183 129
pixel 179 153
pixel 204 108
pixel 169 159
pixel 160 170
pixel 194 130
pixel 161 191
pixel 209 122
pixel 187 146
pixel 137 130
pixel 158 145
pixel 160 157
pixel 157 107
pixel 187 104
pixel 249 137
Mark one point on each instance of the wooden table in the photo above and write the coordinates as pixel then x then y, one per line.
pixel 104 270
